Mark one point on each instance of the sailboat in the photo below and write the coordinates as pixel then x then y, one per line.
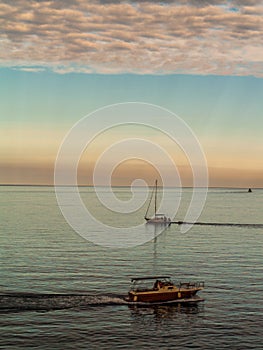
pixel 157 218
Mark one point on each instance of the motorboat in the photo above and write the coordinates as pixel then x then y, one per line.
pixel 158 289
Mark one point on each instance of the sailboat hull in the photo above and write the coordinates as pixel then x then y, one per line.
pixel 161 221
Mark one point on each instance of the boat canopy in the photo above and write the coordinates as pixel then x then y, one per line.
pixel 149 278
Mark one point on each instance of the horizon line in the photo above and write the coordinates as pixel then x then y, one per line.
pixel 118 186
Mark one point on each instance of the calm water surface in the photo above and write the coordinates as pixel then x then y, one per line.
pixel 77 288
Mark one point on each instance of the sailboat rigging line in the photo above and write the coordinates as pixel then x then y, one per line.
pixel 149 204
pixel 155 201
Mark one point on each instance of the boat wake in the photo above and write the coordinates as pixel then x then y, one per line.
pixel 16 302
pixel 46 302
pixel 218 224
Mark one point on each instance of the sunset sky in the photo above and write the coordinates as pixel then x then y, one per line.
pixel 202 60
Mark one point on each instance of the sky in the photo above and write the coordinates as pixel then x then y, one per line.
pixel 201 60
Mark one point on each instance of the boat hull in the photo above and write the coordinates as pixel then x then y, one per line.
pixel 158 221
pixel 193 300
pixel 161 296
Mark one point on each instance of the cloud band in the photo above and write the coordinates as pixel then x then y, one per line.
pixel 144 37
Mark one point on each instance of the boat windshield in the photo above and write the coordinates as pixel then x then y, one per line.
pixel 148 283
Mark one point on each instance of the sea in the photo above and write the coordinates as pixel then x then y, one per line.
pixel 59 290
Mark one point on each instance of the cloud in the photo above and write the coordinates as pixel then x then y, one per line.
pixel 144 37
pixel 30 69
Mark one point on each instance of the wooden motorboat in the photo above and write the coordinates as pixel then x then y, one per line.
pixel 161 289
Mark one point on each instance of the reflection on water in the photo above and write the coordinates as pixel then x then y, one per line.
pixel 160 313
pixel 156 229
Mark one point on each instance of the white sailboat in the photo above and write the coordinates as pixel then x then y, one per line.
pixel 157 218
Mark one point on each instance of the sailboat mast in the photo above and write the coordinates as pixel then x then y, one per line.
pixel 155 199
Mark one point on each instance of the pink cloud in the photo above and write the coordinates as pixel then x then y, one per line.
pixel 140 37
